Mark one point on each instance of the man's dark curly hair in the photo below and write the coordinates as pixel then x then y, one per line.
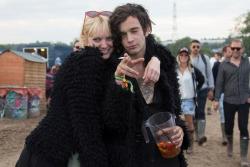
pixel 121 13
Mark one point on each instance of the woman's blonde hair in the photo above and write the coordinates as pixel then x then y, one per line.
pixel 91 26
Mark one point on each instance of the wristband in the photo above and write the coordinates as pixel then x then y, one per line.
pixel 125 83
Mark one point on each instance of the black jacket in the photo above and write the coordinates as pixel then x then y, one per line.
pixel 124 113
pixel 73 122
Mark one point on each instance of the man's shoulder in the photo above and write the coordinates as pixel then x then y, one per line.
pixel 204 56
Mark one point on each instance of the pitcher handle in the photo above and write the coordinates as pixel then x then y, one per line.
pixel 144 131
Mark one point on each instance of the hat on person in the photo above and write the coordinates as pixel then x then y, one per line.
pixel 184 50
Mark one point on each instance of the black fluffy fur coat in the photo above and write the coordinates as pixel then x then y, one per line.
pixel 91 115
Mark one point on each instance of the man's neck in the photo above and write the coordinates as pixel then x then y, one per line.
pixel 140 54
pixel 194 55
pixel 235 60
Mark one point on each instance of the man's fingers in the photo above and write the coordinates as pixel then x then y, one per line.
pixel 129 71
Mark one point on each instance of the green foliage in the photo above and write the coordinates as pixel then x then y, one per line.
pixel 245 32
pixel 174 47
pixel 246 29
pixel 185 42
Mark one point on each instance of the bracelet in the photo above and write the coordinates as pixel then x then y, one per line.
pixel 125 83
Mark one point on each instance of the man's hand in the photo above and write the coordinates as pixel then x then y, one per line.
pixel 210 94
pixel 248 100
pixel 215 105
pixel 176 134
pixel 126 67
pixel 152 71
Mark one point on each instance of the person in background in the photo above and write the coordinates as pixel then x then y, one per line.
pixel 50 77
pixel 226 55
pixel 233 80
pixel 72 132
pixel 201 62
pixel 76 46
pixel 132 101
pixel 58 61
pixel 190 81
pixel 216 58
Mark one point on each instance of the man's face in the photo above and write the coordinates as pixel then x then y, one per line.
pixel 236 49
pixel 228 53
pixel 133 37
pixel 195 48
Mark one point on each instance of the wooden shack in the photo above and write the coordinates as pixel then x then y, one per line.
pixel 19 69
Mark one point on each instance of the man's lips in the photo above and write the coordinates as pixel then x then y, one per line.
pixel 131 47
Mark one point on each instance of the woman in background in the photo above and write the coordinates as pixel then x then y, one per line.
pixel 190 80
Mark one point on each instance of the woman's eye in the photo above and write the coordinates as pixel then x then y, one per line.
pixel 97 39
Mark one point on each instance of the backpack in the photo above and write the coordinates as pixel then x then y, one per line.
pixel 205 62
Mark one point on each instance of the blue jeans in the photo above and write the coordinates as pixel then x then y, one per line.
pixel 201 100
pixel 188 106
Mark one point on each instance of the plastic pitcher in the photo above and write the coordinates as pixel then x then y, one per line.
pixel 156 123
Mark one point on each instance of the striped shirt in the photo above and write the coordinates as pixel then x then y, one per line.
pixel 233 81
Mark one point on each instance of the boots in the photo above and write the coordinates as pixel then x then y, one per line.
pixel 191 138
pixel 230 146
pixel 243 152
pixel 224 139
pixel 195 131
pixel 201 124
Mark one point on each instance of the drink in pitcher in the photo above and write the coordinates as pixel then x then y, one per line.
pixel 168 149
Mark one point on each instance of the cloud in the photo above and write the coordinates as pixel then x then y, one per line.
pixel 53 20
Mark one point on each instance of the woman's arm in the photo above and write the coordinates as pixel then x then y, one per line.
pixel 83 90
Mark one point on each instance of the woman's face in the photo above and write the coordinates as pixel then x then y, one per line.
pixel 183 57
pixel 103 41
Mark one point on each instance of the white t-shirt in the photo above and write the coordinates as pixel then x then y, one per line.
pixel 186 84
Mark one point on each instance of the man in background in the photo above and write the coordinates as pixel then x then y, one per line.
pixel 201 62
pixel 233 80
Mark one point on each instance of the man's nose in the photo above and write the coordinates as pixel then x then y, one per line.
pixel 130 37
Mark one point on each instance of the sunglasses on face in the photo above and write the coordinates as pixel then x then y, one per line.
pixel 196 46
pixel 93 14
pixel 236 48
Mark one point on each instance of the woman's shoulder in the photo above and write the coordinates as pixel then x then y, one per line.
pixel 88 59
pixel 86 54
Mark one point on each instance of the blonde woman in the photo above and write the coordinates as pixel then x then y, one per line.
pixel 190 80
pixel 74 123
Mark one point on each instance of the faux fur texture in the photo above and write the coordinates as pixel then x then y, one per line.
pixel 73 122
pixel 124 112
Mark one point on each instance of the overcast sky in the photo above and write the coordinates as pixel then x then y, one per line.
pixel 23 21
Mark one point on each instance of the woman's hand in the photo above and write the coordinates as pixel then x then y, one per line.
pixel 152 71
